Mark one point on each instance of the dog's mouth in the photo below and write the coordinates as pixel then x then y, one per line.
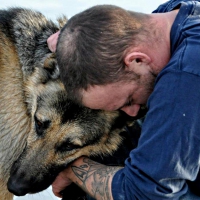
pixel 23 187
pixel 21 184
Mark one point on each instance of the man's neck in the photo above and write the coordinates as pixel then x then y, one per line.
pixel 161 52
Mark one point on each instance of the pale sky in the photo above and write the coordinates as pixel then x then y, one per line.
pixel 53 9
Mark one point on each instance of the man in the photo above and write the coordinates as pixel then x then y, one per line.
pixel 113 59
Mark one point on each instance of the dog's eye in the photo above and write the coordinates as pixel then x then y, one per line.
pixel 67 146
pixel 41 126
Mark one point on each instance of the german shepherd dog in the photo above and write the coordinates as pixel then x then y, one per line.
pixel 41 130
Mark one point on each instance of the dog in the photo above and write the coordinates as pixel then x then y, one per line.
pixel 41 129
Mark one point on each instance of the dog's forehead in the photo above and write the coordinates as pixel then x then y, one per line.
pixel 54 104
pixel 67 116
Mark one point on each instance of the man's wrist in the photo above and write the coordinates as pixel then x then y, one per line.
pixel 69 170
pixel 92 177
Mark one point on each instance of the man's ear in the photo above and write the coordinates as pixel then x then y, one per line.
pixel 137 57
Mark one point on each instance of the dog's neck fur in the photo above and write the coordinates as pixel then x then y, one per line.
pixel 23 47
pixel 14 121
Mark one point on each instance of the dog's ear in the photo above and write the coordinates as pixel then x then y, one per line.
pixel 51 66
pixel 62 20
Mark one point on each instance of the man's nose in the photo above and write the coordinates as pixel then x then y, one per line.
pixel 131 110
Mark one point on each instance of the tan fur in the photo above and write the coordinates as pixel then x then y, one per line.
pixel 41 130
pixel 14 122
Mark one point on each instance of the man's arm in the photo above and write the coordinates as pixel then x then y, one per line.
pixel 92 177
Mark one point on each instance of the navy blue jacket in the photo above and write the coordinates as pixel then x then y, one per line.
pixel 168 152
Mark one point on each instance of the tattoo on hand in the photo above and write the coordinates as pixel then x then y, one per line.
pixel 96 177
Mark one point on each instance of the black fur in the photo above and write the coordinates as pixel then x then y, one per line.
pixel 130 141
pixel 53 126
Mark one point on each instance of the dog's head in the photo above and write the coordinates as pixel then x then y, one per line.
pixel 61 132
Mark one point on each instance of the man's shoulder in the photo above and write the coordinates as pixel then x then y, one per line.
pixel 170 5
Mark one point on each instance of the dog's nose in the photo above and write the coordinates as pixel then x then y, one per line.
pixel 16 188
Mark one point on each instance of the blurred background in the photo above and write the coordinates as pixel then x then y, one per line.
pixel 53 9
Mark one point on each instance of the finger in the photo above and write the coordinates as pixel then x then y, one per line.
pixel 57 193
pixel 52 41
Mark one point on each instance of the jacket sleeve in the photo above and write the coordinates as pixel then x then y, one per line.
pixel 168 151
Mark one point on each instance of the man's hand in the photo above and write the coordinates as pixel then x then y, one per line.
pixel 94 178
pixel 52 41
pixel 60 183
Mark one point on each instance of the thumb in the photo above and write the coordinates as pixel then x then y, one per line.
pixel 52 41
